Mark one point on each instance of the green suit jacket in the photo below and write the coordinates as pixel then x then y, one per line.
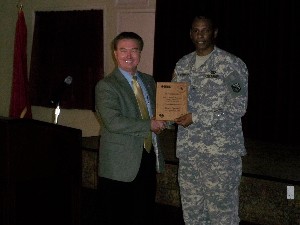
pixel 122 129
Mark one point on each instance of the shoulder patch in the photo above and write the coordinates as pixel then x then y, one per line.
pixel 236 87
pixel 234 84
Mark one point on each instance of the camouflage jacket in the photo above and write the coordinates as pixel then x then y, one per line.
pixel 217 99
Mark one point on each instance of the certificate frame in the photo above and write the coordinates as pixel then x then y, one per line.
pixel 171 100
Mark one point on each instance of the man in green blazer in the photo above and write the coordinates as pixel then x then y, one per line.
pixel 127 171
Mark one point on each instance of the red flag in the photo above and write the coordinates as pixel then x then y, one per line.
pixel 19 103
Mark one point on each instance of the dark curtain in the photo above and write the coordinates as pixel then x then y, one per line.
pixel 264 35
pixel 66 43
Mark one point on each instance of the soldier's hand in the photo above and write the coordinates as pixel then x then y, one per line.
pixel 184 120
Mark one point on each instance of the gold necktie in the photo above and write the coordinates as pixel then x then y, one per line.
pixel 143 109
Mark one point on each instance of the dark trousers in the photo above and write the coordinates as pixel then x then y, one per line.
pixel 130 203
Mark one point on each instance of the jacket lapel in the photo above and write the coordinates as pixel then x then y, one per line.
pixel 126 90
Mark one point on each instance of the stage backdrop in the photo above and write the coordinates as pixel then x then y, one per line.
pixel 263 34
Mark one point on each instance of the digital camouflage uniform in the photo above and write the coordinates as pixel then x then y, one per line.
pixel 210 149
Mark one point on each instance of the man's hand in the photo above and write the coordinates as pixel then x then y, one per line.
pixel 184 120
pixel 157 126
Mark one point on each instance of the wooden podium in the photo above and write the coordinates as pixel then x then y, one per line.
pixel 40 173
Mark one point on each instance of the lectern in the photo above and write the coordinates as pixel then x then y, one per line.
pixel 40 173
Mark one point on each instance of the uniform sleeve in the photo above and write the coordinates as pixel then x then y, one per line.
pixel 236 99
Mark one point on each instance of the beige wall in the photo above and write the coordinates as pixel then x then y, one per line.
pixel 119 15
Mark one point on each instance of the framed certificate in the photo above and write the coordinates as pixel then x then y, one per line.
pixel 171 100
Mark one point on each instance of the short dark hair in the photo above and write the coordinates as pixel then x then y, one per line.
pixel 210 18
pixel 128 35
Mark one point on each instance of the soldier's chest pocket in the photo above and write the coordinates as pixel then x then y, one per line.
pixel 184 78
pixel 209 84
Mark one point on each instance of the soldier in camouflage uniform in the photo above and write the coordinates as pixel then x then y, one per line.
pixel 210 139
